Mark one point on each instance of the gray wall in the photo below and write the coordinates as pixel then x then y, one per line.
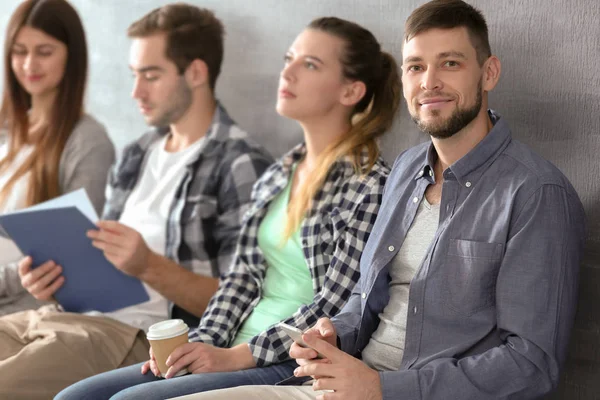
pixel 549 91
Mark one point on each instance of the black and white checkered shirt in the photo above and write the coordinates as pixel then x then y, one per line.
pixel 206 214
pixel 333 236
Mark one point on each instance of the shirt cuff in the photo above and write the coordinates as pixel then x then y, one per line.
pixel 346 338
pixel 400 385
pixel 200 337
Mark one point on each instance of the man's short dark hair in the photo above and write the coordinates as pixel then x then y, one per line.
pixel 192 33
pixel 449 14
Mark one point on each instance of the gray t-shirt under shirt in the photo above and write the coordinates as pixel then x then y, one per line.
pixel 386 347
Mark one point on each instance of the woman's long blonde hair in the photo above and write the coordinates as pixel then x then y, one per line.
pixel 362 60
pixel 58 19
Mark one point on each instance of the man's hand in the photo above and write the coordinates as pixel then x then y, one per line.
pixel 323 330
pixel 348 377
pixel 201 357
pixel 122 246
pixel 43 281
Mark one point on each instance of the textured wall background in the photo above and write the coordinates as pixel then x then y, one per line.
pixel 549 92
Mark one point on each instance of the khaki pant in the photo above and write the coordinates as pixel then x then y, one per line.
pixel 43 351
pixel 257 393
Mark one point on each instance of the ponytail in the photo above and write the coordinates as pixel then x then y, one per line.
pixel 373 115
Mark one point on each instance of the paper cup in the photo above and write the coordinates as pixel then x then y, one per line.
pixel 164 337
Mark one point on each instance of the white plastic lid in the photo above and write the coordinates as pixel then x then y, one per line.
pixel 167 329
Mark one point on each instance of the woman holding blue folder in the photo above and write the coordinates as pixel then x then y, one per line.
pixel 48 144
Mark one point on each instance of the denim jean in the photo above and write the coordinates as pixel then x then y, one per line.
pixel 128 383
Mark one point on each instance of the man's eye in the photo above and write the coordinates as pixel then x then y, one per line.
pixel 311 65
pixel 451 64
pixel 287 59
pixel 414 68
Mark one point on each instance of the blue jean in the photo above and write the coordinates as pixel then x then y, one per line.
pixel 128 383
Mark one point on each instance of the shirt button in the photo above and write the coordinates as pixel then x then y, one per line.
pixel 415 310
pixel 468 184
pixel 391 248
pixel 420 173
pixel 430 173
pixel 416 200
pixel 364 296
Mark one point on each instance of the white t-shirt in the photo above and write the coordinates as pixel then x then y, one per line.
pixel 385 349
pixel 147 211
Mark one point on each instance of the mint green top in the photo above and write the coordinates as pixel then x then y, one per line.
pixel 288 283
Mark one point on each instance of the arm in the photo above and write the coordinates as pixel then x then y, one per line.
pixel 536 294
pixel 342 274
pixel 184 288
pixel 348 320
pixel 236 292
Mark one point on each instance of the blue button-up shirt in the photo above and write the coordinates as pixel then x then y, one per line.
pixel 493 302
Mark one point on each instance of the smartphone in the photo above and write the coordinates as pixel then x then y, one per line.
pixel 296 335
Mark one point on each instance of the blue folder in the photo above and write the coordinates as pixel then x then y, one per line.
pixel 91 281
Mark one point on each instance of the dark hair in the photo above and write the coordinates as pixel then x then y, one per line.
pixel 192 33
pixel 58 19
pixel 362 60
pixel 448 14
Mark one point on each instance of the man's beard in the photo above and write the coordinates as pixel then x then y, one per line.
pixel 180 101
pixel 456 122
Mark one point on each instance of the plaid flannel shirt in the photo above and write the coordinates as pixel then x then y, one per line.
pixel 333 235
pixel 206 214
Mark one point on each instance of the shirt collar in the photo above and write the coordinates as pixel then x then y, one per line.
pixel 292 157
pixel 426 169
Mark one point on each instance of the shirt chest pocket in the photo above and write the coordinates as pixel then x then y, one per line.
pixel 470 273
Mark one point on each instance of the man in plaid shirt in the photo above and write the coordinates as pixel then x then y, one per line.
pixel 205 216
pixel 172 218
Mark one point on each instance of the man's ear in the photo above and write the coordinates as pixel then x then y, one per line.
pixel 353 93
pixel 491 73
pixel 196 74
